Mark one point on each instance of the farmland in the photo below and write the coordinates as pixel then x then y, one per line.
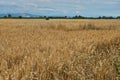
pixel 59 49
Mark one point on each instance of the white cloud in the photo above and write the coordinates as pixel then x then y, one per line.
pixel 46 9
pixel 106 1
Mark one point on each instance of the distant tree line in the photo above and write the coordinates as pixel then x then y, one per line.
pixel 10 16
pixel 60 17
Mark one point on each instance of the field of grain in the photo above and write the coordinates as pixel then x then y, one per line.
pixel 59 49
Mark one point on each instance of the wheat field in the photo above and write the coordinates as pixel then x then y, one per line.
pixel 59 49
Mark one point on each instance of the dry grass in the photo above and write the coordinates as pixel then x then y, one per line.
pixel 63 24
pixel 59 50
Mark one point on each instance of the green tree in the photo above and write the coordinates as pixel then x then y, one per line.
pixel 9 15
pixel 5 16
pixel 20 17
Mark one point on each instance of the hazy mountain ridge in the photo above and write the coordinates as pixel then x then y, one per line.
pixel 19 14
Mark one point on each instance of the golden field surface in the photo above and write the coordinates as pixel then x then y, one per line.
pixel 59 49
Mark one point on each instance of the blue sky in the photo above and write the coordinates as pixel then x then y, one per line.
pixel 62 7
